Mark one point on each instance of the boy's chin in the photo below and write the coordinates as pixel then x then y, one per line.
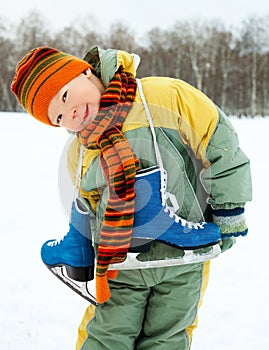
pixel 78 129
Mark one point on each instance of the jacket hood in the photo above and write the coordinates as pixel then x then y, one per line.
pixel 107 62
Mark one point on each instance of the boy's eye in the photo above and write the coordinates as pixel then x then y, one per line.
pixel 64 96
pixel 59 118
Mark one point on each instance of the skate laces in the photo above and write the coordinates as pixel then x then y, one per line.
pixel 183 222
pixel 56 242
pixel 169 210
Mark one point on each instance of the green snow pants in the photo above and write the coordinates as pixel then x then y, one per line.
pixel 149 309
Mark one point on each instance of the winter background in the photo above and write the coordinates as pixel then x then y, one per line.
pixel 37 311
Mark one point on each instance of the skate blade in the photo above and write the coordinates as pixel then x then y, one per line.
pixel 131 261
pixel 81 288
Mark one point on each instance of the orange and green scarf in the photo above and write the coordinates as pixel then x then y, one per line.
pixel 119 165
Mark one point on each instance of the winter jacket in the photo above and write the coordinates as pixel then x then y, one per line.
pixel 199 147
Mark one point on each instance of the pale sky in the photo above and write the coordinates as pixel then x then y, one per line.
pixel 141 15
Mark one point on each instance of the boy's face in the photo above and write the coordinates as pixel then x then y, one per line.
pixel 77 102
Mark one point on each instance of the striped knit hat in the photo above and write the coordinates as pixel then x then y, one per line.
pixel 40 74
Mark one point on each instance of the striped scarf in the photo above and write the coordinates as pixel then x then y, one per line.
pixel 119 165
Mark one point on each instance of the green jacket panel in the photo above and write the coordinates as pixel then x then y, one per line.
pixel 228 179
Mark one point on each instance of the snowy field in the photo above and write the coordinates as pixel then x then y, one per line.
pixel 37 312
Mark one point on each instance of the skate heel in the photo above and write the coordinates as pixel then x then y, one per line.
pixel 81 274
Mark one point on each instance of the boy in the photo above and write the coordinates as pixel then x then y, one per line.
pixel 208 179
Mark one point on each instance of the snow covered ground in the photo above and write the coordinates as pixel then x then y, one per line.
pixel 38 312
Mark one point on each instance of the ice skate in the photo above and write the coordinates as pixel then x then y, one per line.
pixel 71 259
pixel 154 220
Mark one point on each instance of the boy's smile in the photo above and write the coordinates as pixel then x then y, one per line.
pixel 77 102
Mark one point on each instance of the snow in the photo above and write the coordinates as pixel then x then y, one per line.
pixel 39 312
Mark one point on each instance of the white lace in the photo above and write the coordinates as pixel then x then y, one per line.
pixel 163 186
pixel 189 224
pixel 55 242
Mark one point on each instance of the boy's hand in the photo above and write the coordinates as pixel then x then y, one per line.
pixel 231 222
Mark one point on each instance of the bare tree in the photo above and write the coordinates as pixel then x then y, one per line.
pixel 120 37
pixel 7 66
pixel 254 42
pixel 69 40
pixel 32 31
pixel 199 49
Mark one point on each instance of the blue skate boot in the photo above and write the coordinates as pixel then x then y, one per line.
pixel 154 220
pixel 74 251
